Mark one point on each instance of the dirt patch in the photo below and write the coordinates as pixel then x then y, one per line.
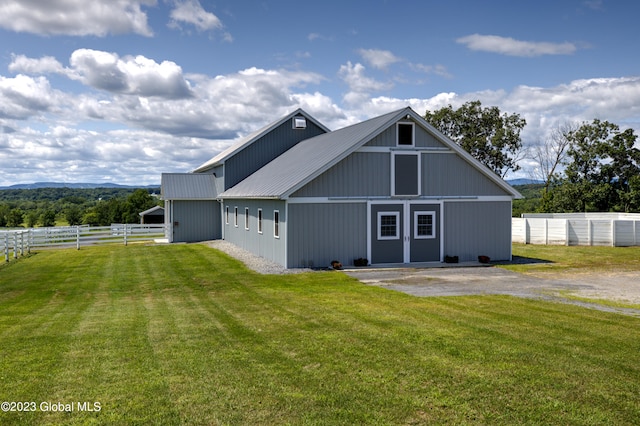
pixel 623 287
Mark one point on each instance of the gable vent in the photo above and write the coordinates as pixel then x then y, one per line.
pixel 299 123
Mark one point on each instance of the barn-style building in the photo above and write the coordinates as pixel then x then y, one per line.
pixel 391 189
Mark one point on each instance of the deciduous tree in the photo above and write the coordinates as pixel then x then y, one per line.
pixel 487 134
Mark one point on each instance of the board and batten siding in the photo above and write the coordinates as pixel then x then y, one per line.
pixel 193 220
pixel 263 244
pixel 445 174
pixel 322 232
pixel 360 174
pixel 474 228
pixel 265 149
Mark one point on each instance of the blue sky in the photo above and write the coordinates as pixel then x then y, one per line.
pixel 123 90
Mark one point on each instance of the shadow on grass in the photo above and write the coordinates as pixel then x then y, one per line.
pixel 522 260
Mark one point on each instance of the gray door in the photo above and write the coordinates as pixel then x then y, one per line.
pixel 387 233
pixel 405 232
pixel 424 232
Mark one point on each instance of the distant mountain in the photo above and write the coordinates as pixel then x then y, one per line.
pixel 38 185
pixel 524 181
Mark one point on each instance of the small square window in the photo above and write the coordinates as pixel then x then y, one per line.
pixel 388 225
pixel 405 134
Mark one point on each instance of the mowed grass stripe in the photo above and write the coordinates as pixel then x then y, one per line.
pixel 186 335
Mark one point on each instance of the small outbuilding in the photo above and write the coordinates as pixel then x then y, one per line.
pixel 154 215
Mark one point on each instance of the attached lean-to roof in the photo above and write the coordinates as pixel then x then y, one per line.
pixel 312 157
pixel 252 137
pixel 188 186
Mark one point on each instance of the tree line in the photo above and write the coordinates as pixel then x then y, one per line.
pixel 96 206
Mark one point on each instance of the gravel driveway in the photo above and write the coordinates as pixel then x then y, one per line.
pixel 459 281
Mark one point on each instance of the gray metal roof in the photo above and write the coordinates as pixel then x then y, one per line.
pixel 252 137
pixel 312 157
pixel 188 186
pixel 308 159
pixel 153 211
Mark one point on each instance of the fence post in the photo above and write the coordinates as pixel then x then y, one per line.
pixel 6 247
pixel 125 234
pixel 15 245
pixel 77 237
pixel 22 243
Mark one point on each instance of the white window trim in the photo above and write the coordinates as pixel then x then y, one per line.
pixel 416 236
pixel 276 224
pixel 235 216
pixel 397 215
pixel 226 215
pixel 259 221
pixel 413 134
pixel 246 218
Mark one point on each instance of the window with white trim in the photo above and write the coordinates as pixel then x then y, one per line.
pixel 226 215
pixel 259 221
pixel 405 134
pixel 235 216
pixel 246 218
pixel 276 224
pixel 388 225
pixel 424 225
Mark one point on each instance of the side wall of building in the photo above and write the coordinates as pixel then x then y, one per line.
pixel 193 220
pixel 242 227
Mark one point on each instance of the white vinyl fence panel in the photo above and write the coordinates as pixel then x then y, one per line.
pixel 17 242
pixel 598 229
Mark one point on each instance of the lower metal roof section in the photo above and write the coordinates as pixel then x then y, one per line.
pixel 188 186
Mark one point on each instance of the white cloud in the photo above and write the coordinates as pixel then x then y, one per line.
pixel 134 131
pixel 512 47
pixel 76 17
pixel 360 86
pixel 380 59
pixel 129 75
pixel 438 69
pixel 22 97
pixel 191 12
pixel 44 65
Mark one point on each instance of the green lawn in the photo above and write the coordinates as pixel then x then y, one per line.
pixel 183 334
pixel 576 259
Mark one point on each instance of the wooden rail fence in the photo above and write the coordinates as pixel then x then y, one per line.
pixel 18 242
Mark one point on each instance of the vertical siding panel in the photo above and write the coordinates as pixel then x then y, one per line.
pixel 477 228
pixel 198 220
pixel 448 174
pixel 360 174
pixel 265 149
pixel 320 233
